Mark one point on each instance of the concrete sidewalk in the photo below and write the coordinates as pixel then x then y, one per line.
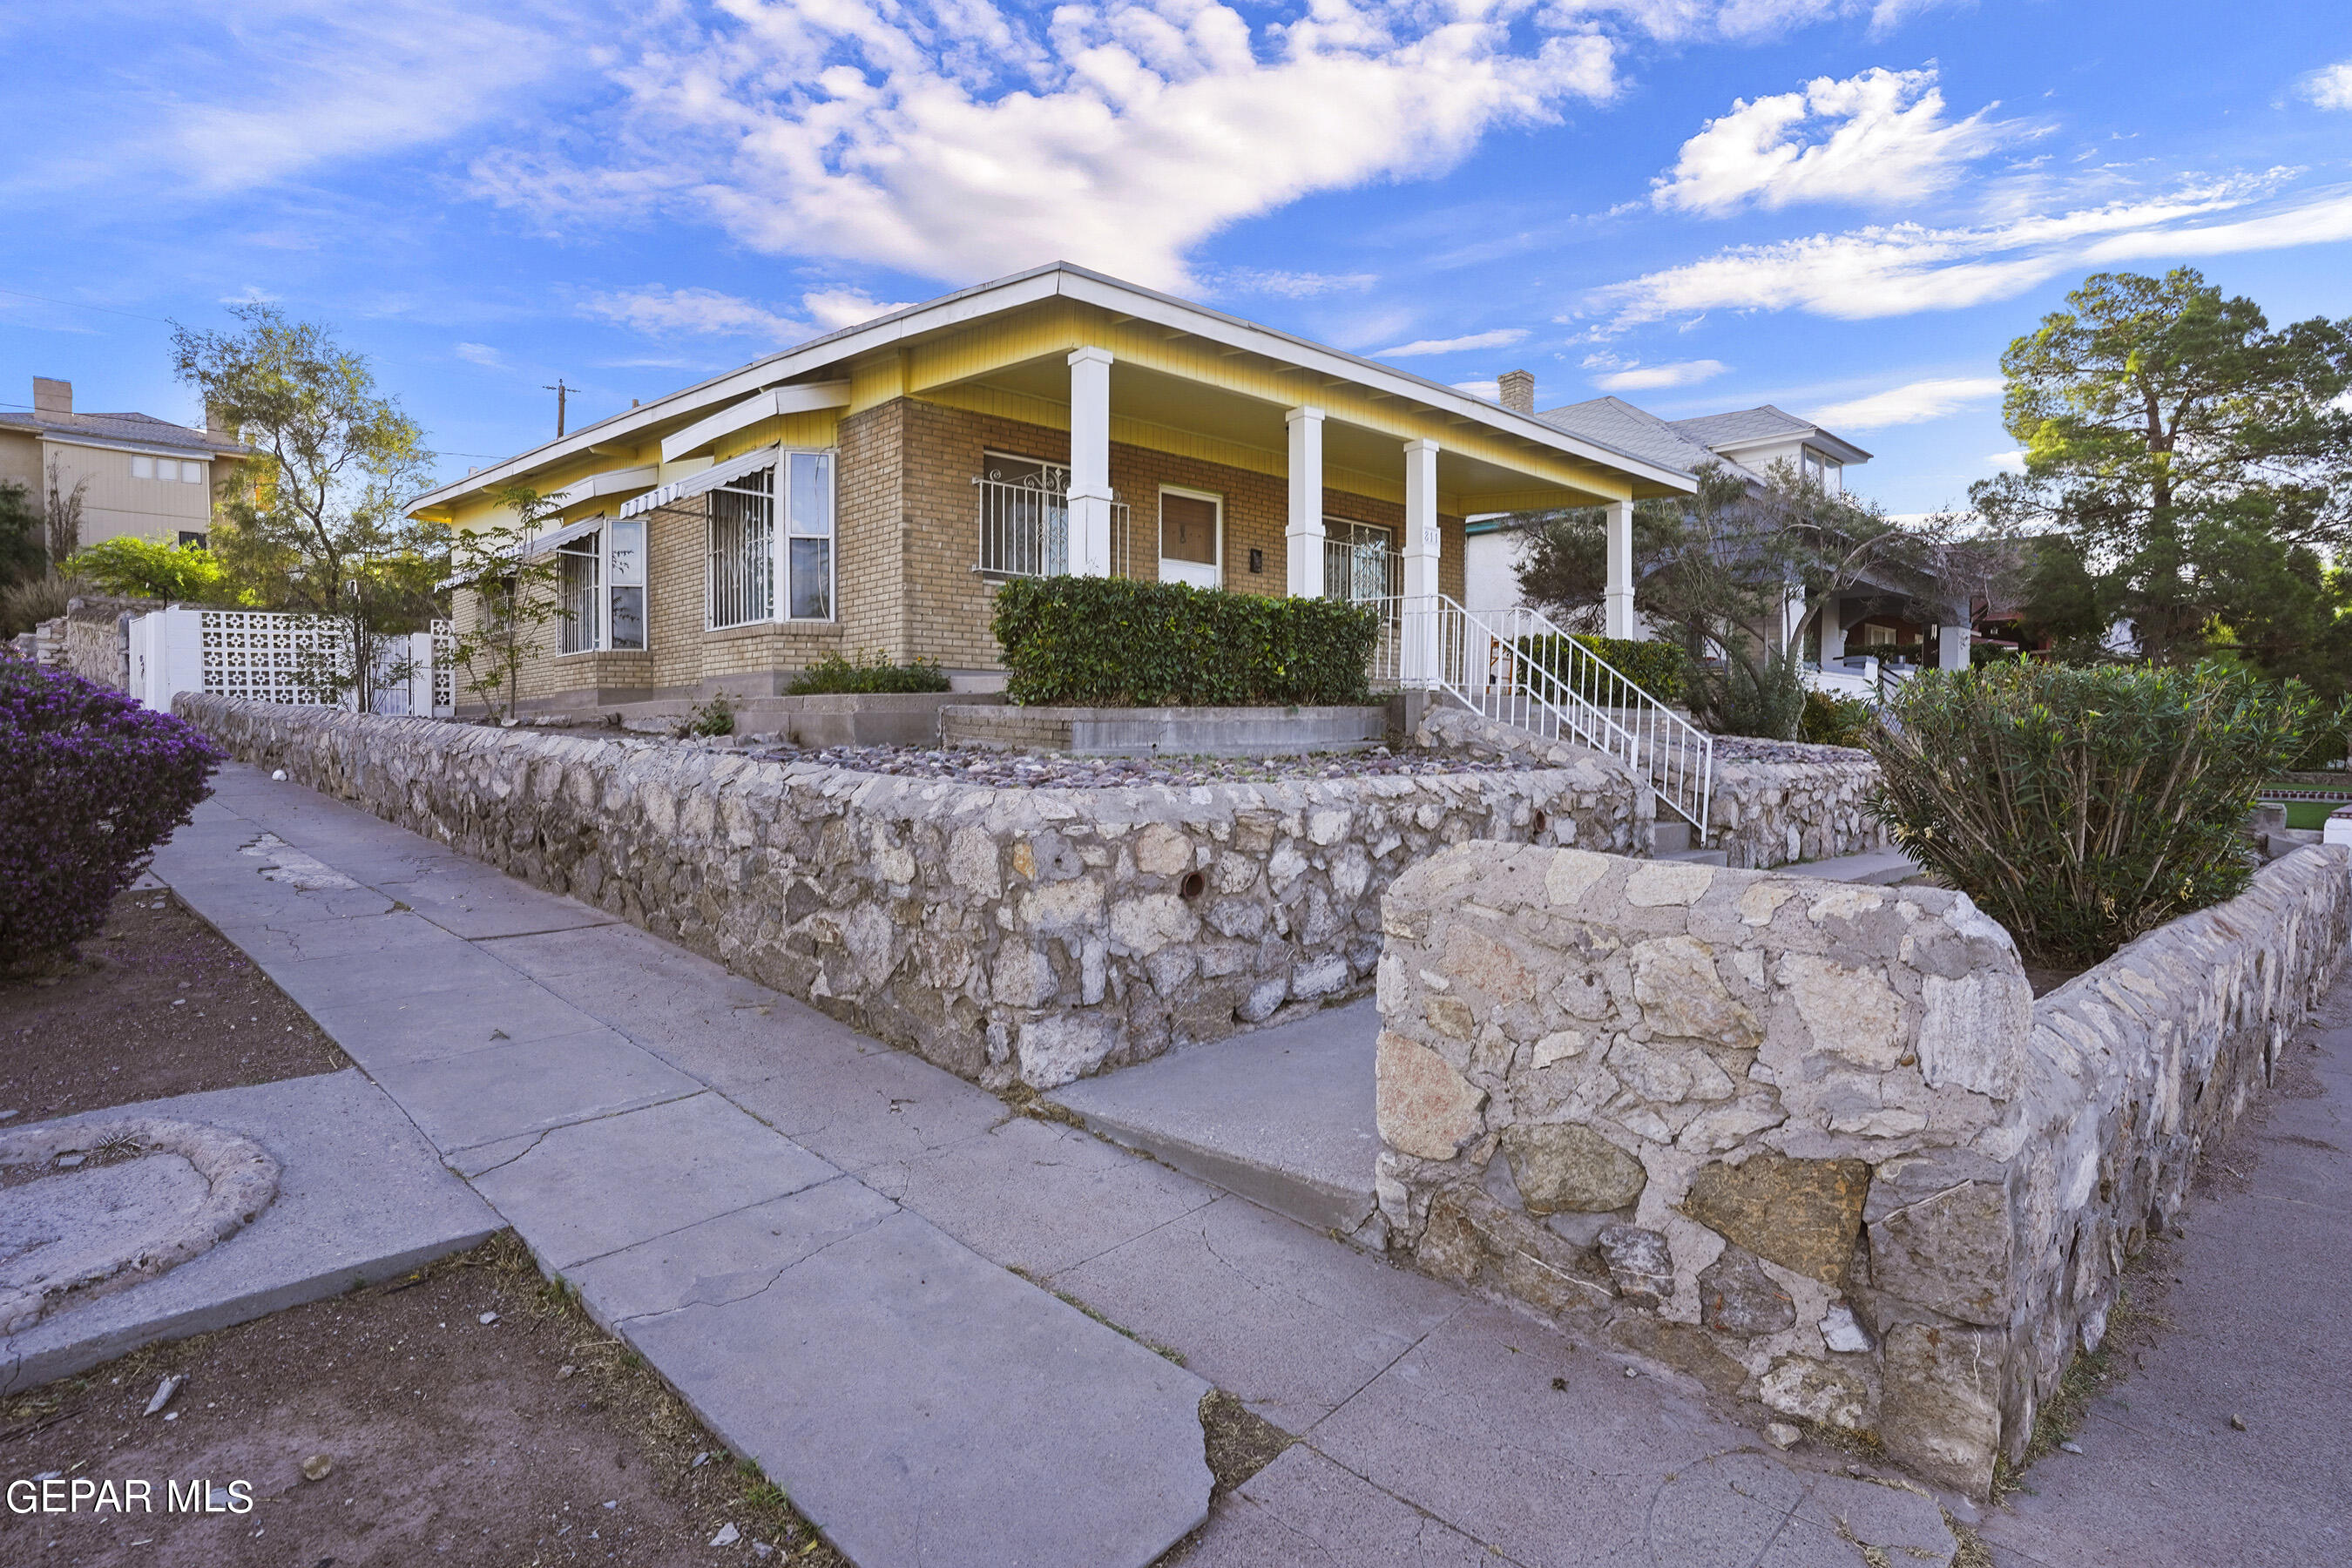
pixel 813 1235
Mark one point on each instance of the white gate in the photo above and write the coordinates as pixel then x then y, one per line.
pixel 268 656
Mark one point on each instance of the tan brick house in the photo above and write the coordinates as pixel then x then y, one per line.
pixel 868 491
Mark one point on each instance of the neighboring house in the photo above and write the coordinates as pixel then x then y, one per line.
pixel 1747 443
pixel 867 493
pixel 140 474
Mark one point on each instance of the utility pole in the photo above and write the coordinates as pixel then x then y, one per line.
pixel 560 390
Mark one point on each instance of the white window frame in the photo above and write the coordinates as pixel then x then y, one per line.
pixel 781 533
pixel 607 584
pixel 786 532
pixel 1159 526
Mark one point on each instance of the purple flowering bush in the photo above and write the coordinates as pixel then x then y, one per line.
pixel 90 783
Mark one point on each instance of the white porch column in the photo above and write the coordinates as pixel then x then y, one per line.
pixel 1952 646
pixel 1617 599
pixel 1302 541
pixel 1833 633
pixel 1424 653
pixel 1090 541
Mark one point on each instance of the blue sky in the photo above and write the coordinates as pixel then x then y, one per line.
pixel 1845 206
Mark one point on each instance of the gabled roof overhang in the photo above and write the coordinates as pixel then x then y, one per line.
pixel 808 377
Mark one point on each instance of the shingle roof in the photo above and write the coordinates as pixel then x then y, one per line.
pixel 136 429
pixel 1744 425
pixel 1620 423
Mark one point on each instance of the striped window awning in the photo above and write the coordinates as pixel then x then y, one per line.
pixel 710 478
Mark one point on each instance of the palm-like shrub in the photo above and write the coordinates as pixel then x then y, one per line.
pixel 2080 807
pixel 90 783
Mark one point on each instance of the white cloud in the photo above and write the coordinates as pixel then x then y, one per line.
pixel 700 312
pixel 2007 462
pixel 2330 87
pixel 1638 377
pixel 1501 337
pixel 956 140
pixel 1745 21
pixel 833 309
pixel 1912 403
pixel 1896 268
pixel 1877 138
pixel 310 82
pixel 481 355
pixel 1492 391
pixel 1288 285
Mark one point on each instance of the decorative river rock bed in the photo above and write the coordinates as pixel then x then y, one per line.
pixel 92 1207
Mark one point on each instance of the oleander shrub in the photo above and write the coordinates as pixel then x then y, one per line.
pixel 90 783
pixel 834 673
pixel 1831 721
pixel 1660 668
pixel 2083 806
pixel 1105 642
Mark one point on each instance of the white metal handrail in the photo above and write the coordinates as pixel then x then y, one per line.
pixel 1024 528
pixel 1519 668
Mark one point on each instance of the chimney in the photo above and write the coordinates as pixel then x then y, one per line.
pixel 52 396
pixel 1519 388
pixel 216 422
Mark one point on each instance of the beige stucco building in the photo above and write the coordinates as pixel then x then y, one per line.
pixel 139 475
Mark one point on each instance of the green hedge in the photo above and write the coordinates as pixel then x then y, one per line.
pixel 834 673
pixel 1105 642
pixel 2080 807
pixel 1660 668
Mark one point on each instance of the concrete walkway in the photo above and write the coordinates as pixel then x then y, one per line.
pixel 813 1236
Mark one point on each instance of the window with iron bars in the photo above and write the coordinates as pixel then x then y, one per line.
pixel 1360 561
pixel 757 567
pixel 604 589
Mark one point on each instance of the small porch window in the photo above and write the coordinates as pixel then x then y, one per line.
pixel 1360 561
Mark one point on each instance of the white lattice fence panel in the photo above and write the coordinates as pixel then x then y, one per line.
pixel 266 656
pixel 444 670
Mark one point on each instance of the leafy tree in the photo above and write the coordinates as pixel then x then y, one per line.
pixel 320 518
pixel 1724 568
pixel 2196 463
pixel 149 568
pixel 516 596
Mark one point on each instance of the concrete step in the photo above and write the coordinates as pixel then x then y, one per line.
pixel 1698 857
pixel 1884 868
pixel 1282 1116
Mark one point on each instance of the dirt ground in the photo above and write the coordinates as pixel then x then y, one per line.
pixel 159 1004
pixel 531 1439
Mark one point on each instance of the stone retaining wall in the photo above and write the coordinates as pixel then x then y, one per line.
pixel 1812 1142
pixel 1769 814
pixel 1035 935
pixel 1169 732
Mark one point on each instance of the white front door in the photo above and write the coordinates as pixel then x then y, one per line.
pixel 1191 537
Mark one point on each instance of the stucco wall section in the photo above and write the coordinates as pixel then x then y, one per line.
pixel 1031 935
pixel 1813 1142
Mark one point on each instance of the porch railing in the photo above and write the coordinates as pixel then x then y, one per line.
pixel 1024 530
pixel 1516 666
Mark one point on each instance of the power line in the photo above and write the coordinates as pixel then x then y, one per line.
pixel 79 305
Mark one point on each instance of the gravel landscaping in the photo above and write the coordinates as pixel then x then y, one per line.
pixel 1017 770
